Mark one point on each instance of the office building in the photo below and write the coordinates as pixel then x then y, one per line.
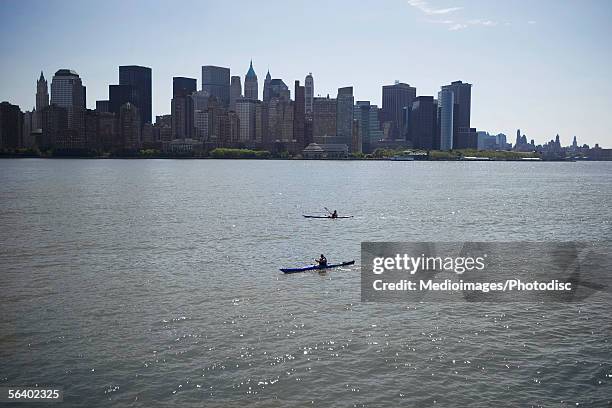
pixel 139 78
pixel 235 91
pixel 424 123
pixel 308 94
pixel 11 120
pixel 446 110
pixel 251 89
pixel 299 116
pixel 394 99
pixel 344 115
pixel 42 99
pixel 324 112
pixel 216 81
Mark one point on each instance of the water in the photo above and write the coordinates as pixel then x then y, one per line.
pixel 155 283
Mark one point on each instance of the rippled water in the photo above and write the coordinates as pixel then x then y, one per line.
pixel 156 282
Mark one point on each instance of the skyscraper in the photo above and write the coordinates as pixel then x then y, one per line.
pixel 11 120
pixel 394 99
pixel 42 99
pixel 423 122
pixel 323 118
pixel 308 93
pixel 246 108
pixel 461 118
pixel 139 78
pixel 182 107
pixel 235 91
pixel 129 126
pixel 119 95
pixel 216 81
pixel 344 115
pixel 299 116
pixel 67 91
pixel 266 90
pixel 251 89
pixel 446 110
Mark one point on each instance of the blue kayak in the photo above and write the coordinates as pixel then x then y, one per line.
pixel 315 267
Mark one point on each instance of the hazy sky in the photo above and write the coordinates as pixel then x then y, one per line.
pixel 543 66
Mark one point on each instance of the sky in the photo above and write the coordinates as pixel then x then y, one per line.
pixel 542 66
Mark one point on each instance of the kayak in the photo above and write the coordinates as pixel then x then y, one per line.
pixel 315 267
pixel 325 216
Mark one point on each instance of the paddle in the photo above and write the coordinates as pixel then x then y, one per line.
pixel 327 209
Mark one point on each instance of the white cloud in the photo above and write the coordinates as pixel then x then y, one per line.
pixel 531 22
pixel 457 27
pixel 487 23
pixel 427 9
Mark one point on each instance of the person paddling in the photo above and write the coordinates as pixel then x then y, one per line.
pixel 322 261
pixel 335 214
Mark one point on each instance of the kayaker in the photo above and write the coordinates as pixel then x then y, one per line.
pixel 335 214
pixel 322 261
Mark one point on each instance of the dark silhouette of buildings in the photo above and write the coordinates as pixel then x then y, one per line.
pixel 394 99
pixel 424 123
pixel 182 107
pixel 11 120
pixel 139 78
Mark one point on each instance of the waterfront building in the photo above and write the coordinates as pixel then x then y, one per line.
pixel 216 81
pixel 139 78
pixel 11 131
pixel 67 91
pixel 251 89
pixel 235 92
pixel 344 115
pixel 462 100
pixel 395 98
pixel 325 151
pixel 424 123
pixel 446 103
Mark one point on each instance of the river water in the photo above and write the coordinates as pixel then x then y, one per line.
pixel 155 283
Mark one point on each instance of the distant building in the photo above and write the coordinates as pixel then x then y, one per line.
pixel 394 99
pixel 251 89
pixel 129 126
pixel 299 116
pixel 103 106
pixel 462 100
pixel 119 95
pixel 308 94
pixel 54 122
pixel 182 107
pixel 27 128
pixel 216 81
pixel 325 151
pixel 235 91
pixel 67 90
pixel 424 123
pixel 446 103
pixel 246 110
pixel 324 112
pixel 267 88
pixel 278 89
pixel 42 100
pixel 11 130
pixel 279 120
pixel 139 78
pixel 344 115
pixel 368 124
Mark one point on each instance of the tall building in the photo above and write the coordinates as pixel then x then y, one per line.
pixel 267 88
pixel 182 107
pixel 246 109
pixel 103 106
pixel 139 78
pixel 394 99
pixel 11 120
pixel 279 120
pixel 67 90
pixel 368 124
pixel 251 90
pixel 424 122
pixel 323 117
pixel 129 126
pixel 216 81
pixel 462 135
pixel 235 91
pixel 344 115
pixel 119 95
pixel 446 110
pixel 54 125
pixel 42 99
pixel 308 93
pixel 278 89
pixel 299 116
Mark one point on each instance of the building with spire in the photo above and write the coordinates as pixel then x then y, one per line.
pixel 251 90
pixel 42 99
pixel 267 87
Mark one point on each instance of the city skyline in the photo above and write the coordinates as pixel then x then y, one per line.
pixel 563 63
